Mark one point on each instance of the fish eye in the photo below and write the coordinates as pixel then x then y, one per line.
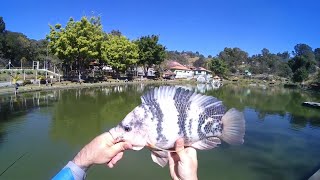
pixel 127 128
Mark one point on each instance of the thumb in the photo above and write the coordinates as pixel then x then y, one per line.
pixel 119 147
pixel 180 149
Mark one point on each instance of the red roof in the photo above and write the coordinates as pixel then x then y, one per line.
pixel 202 69
pixel 169 73
pixel 173 63
pixel 180 68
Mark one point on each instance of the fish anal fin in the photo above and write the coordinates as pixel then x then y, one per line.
pixel 160 157
pixel 207 144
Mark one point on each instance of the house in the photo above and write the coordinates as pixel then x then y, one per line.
pixel 200 71
pixel 181 71
pixel 168 75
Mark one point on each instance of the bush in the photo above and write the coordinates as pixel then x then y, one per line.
pixel 300 75
pixel 25 82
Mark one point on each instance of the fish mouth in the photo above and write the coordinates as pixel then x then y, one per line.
pixel 116 134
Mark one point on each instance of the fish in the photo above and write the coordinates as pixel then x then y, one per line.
pixel 168 113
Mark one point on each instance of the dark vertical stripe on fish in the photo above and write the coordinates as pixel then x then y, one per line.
pixel 182 104
pixel 202 118
pixel 157 113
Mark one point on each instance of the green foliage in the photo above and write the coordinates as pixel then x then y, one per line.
pixel 150 51
pixel 284 70
pixel 177 56
pixel 317 55
pixel 2 25
pixel 218 67
pixel 115 33
pixel 119 52
pixel 77 43
pixel 300 75
pixel 16 46
pixel 303 50
pixel 233 56
pixel 201 62
pixel 25 82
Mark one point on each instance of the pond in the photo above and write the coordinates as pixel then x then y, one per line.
pixel 41 131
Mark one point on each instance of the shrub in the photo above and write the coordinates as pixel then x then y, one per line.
pixel 25 82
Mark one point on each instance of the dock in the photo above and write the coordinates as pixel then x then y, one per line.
pixel 311 104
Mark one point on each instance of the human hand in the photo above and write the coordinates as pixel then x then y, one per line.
pixel 102 149
pixel 183 163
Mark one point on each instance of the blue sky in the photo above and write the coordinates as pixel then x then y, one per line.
pixel 207 26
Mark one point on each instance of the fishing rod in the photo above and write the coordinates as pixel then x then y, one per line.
pixel 13 163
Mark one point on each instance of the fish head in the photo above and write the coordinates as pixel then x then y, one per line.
pixel 132 129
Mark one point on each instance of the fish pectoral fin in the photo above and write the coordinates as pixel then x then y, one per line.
pixel 207 144
pixel 160 157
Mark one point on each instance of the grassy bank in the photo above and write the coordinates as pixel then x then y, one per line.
pixel 72 85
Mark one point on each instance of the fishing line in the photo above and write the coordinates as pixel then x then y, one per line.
pixel 13 163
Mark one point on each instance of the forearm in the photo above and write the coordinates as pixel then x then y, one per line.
pixel 70 172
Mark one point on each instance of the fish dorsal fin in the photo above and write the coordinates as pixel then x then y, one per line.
pixel 184 98
pixel 207 144
pixel 163 93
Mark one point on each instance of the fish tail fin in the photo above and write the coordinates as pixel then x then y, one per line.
pixel 233 127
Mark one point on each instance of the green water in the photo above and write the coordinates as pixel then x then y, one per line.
pixel 281 141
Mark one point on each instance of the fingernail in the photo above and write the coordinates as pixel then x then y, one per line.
pixel 127 146
pixel 180 142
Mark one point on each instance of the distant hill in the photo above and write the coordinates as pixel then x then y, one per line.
pixel 188 58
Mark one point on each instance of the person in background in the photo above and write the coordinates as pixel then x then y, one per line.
pixel 104 149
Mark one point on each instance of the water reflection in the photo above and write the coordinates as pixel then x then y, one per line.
pixel 281 138
pixel 78 118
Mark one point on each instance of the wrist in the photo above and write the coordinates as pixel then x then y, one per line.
pixel 81 162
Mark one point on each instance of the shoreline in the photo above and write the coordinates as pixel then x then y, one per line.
pixel 71 85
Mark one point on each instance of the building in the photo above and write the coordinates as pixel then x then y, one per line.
pixel 182 72
pixel 200 71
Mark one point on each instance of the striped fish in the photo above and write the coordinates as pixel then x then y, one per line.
pixel 168 113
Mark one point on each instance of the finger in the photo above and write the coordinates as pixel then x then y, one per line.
pixel 121 146
pixel 170 158
pixel 172 164
pixel 192 153
pixel 110 165
pixel 179 147
pixel 115 159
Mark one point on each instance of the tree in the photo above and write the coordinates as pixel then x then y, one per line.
pixel 119 52
pixel 233 56
pixel 78 43
pixel 2 32
pixel 200 62
pixel 300 75
pixel 150 51
pixel 265 52
pixel 16 46
pixel 317 55
pixel 176 56
pixel 284 70
pixel 218 66
pixel 285 56
pixel 303 50
pixel 2 25
pixel 116 33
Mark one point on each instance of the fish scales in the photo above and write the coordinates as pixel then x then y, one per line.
pixel 168 113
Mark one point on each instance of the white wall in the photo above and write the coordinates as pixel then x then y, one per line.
pixel 183 73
